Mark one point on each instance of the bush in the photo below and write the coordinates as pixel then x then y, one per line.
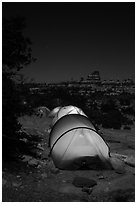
pixel 16 53
pixel 112 119
pixel 10 110
pixel 108 105
pixel 129 111
pixel 96 116
pixel 127 127
pixel 127 121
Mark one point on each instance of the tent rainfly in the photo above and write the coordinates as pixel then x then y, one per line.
pixel 74 142
pixel 59 112
pixel 54 112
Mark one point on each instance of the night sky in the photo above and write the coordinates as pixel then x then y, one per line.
pixel 71 40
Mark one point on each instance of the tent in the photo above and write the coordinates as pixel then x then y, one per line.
pixel 59 112
pixel 54 112
pixel 74 142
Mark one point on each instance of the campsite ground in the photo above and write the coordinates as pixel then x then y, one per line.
pixel 34 179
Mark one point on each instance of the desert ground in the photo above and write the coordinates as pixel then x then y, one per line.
pixel 33 178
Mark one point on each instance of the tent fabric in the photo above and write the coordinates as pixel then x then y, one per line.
pixel 59 112
pixel 74 138
pixel 54 112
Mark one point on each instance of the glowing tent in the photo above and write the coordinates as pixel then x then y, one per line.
pixel 59 112
pixel 54 112
pixel 74 142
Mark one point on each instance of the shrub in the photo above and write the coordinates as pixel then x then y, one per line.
pixel 16 53
pixel 127 127
pixel 113 119
pixel 96 116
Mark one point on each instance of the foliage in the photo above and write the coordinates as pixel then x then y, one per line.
pixel 126 99
pixel 113 119
pixel 127 121
pixel 127 127
pixel 16 50
pixel 16 53
pixel 95 116
pixel 108 105
pixel 128 110
pixel 57 97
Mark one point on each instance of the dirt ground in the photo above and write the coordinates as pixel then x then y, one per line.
pixel 35 179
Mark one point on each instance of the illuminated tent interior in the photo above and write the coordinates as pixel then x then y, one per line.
pixel 75 143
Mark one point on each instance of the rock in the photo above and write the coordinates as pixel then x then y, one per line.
pixel 33 162
pixel 22 187
pixel 18 176
pixel 48 130
pixel 83 182
pixel 40 147
pixel 39 166
pixel 101 177
pixel 119 156
pixel 44 175
pixel 16 185
pixel 87 190
pixel 44 156
pixel 24 140
pixel 54 170
pixel 26 158
pixel 120 171
pixel 40 133
pixel 118 165
pixel 130 161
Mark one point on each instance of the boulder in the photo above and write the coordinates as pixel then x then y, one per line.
pixel 33 162
pixel 117 165
pixel 130 161
pixel 83 182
